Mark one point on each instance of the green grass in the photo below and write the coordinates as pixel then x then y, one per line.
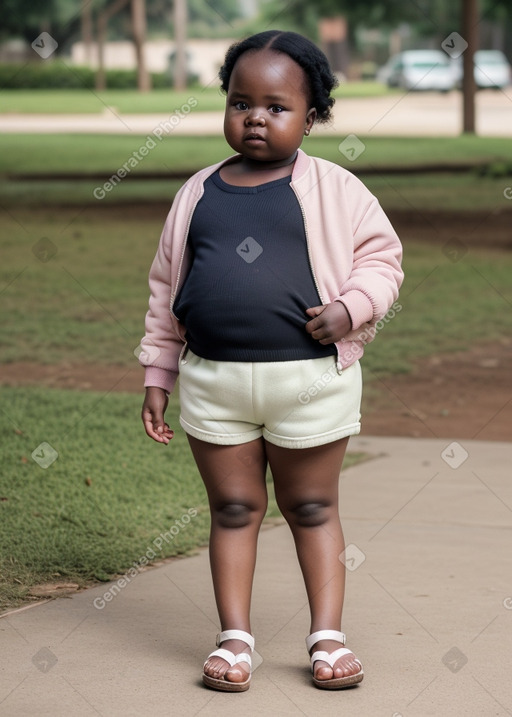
pixel 446 305
pixel 209 99
pixel 97 510
pixel 109 494
pixel 33 153
pixel 433 192
pixel 87 302
pixel 104 155
pixel 73 286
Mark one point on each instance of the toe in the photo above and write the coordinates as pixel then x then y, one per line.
pixel 346 666
pixel 236 674
pixel 215 667
pixel 323 671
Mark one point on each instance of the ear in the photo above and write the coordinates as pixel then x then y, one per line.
pixel 310 120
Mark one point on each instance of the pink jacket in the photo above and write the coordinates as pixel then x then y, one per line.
pixel 354 253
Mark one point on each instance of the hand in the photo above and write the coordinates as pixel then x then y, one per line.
pixel 330 323
pixel 153 411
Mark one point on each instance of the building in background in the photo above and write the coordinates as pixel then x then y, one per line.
pixel 204 56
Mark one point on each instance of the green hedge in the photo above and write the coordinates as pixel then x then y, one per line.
pixel 59 75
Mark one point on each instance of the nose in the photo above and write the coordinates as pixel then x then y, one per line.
pixel 255 117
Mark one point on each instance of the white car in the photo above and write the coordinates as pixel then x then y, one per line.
pixel 419 70
pixel 492 69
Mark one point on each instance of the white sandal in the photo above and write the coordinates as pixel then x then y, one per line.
pixel 335 683
pixel 232 659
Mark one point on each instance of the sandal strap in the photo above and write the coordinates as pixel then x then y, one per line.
pixel 325 635
pixel 236 635
pixel 230 657
pixel 330 658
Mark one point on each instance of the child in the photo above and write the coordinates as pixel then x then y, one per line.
pixel 275 267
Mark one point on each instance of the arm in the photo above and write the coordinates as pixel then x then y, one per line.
pixel 376 275
pixel 372 285
pixel 162 344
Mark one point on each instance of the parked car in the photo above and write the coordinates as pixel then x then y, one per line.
pixel 419 70
pixel 492 69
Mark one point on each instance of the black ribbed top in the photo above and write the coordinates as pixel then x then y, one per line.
pixel 250 280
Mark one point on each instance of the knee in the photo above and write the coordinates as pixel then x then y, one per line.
pixel 309 515
pixel 236 515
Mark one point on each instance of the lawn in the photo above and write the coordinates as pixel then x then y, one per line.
pixel 49 153
pixel 75 289
pixel 32 156
pixel 110 501
pixel 73 284
pixel 209 99
pixel 80 297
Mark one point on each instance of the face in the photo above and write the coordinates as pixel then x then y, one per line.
pixel 267 106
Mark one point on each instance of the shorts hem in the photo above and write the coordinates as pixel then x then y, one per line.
pixel 235 439
pixel 320 439
pixel 220 439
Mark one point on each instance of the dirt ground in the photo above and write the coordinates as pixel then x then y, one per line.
pixel 454 396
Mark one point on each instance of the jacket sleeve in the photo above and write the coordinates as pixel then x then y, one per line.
pixel 376 276
pixel 162 343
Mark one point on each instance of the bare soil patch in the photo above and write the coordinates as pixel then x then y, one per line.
pixel 461 395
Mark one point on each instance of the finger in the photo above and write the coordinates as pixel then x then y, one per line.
pixel 315 310
pixel 155 430
pixel 317 328
pixel 150 431
pixel 167 432
pixel 314 325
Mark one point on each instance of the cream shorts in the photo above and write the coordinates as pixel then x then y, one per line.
pixel 293 404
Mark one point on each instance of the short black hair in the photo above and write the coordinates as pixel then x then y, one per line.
pixel 305 53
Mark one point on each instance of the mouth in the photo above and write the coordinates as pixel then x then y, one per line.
pixel 253 138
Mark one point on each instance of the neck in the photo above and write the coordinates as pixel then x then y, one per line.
pixel 253 165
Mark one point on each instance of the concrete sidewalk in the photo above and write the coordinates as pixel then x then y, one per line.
pixel 428 609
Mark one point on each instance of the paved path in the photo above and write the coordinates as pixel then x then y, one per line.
pixel 412 114
pixel 428 610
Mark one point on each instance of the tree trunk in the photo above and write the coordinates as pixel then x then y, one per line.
pixel 86 23
pixel 180 40
pixel 103 18
pixel 470 18
pixel 100 82
pixel 139 38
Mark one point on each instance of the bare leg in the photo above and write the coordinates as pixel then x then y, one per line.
pixel 306 487
pixel 234 477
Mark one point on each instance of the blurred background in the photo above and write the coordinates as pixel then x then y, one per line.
pixel 106 107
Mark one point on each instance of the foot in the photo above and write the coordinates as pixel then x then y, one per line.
pixel 218 668
pixel 345 666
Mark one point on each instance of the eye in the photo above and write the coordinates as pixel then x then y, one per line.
pixel 241 106
pixel 276 109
